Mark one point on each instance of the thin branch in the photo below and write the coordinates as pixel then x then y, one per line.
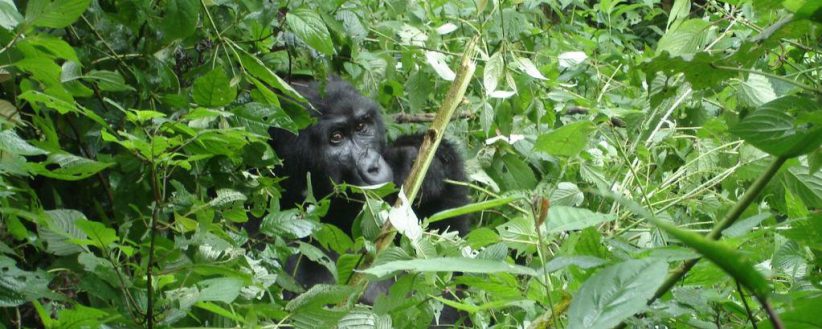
pixel 155 214
pixel 775 320
pixel 745 303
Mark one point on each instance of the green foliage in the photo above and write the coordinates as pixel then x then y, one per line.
pixel 602 141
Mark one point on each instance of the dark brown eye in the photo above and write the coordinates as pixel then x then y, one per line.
pixel 360 126
pixel 336 137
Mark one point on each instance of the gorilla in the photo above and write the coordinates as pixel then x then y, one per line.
pixel 347 144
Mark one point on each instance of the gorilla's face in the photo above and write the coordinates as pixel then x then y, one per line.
pixel 351 141
pixel 347 141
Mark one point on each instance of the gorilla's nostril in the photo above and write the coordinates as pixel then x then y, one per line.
pixel 374 170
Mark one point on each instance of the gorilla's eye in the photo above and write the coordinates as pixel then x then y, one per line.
pixel 360 127
pixel 336 137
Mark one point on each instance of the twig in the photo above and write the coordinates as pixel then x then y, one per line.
pixel 775 321
pixel 745 303
pixel 155 214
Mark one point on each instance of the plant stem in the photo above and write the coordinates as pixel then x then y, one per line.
pixel 153 236
pixel 775 321
pixel 745 303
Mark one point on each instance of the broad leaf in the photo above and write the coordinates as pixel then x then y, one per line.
pixel 615 293
pixel 9 16
pixel 180 19
pixel 55 14
pixel 567 141
pixel 10 142
pixel 310 28
pixel 213 89
pixel 686 38
pixel 564 218
pixel 223 290
pixel 287 224
pixel 778 127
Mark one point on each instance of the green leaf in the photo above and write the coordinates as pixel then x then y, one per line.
pixel 180 19
pixel 18 286
pixel 216 309
pixel 699 69
pixel 728 259
pixel 309 309
pixel 449 264
pixel 757 90
pixel 55 14
pixel 481 237
pixel 585 262
pixel 773 129
pixel 108 80
pixel 59 230
pixel 261 71
pixel 470 208
pixel 563 218
pixel 213 89
pixel 287 224
pixel 512 173
pixel 99 235
pixel 9 16
pixel 492 72
pixel 310 28
pixel 685 38
pixel 61 105
pixel 808 187
pixel 10 142
pixel 615 293
pixel 80 317
pixel 567 141
pixel 258 118
pixel 41 68
pixel 223 290
pixel 320 294
pixel 54 46
pixel 226 197
pixel 69 167
pixel 362 318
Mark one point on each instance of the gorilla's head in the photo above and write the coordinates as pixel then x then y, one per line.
pixel 346 142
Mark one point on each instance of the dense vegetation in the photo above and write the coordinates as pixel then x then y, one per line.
pixel 649 162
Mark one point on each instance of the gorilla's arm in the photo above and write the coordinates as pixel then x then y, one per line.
pixel 435 195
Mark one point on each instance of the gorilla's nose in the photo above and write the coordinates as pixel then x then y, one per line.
pixel 377 172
